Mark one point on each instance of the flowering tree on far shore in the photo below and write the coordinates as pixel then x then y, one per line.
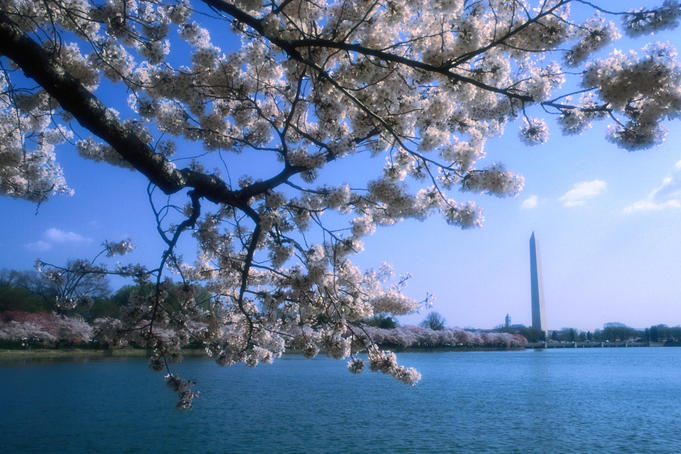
pixel 305 84
pixel 423 337
pixel 45 326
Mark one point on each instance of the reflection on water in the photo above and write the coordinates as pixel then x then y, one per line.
pixel 572 400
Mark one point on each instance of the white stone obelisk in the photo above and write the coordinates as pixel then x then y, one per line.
pixel 538 320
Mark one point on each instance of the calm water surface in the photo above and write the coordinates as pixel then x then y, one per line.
pixel 614 400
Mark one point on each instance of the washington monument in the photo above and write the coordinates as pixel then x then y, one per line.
pixel 538 321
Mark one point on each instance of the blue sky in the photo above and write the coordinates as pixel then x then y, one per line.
pixel 608 224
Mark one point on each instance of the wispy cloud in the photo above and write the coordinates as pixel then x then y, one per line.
pixel 529 203
pixel 667 195
pixel 583 191
pixel 54 236
pixel 60 236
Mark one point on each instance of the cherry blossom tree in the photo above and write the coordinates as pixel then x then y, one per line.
pixel 420 337
pixel 47 326
pixel 306 83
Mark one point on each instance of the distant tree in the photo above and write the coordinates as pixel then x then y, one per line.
pixel 657 333
pixel 102 307
pixel 531 334
pixel 675 333
pixel 21 299
pixel 26 291
pixel 79 282
pixel 30 280
pixel 567 335
pixel 61 289
pixel 663 333
pixel 433 321
pixel 381 321
pixel 617 332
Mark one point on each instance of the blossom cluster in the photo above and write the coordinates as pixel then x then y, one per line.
pixel 386 362
pixel 118 247
pixel 183 389
pixel 644 21
pixel 413 336
pixel 645 89
pixel 47 327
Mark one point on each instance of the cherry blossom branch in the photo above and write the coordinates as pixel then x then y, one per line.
pixel 468 56
pixel 291 48
pixel 93 115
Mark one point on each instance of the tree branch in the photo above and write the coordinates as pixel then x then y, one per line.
pixel 291 48
pixel 94 116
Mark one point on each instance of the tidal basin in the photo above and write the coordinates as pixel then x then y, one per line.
pixel 625 400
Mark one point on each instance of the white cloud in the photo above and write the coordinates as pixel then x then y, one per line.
pixel 666 196
pixel 40 246
pixel 647 205
pixel 583 191
pixel 530 202
pixel 60 236
pixel 54 236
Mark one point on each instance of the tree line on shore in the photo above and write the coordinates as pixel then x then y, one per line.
pixel 611 332
pixel 615 332
pixel 29 311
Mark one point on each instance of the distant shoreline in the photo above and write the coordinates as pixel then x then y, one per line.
pixel 587 344
pixel 79 353
pixel 36 354
pixel 11 355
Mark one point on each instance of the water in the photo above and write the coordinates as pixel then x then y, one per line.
pixel 623 400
